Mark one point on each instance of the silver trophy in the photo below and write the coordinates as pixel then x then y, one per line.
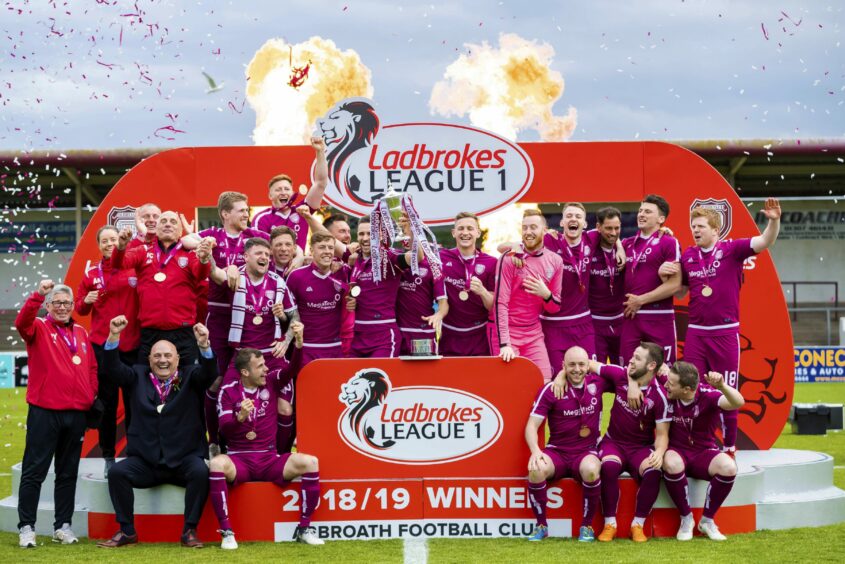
pixel 393 200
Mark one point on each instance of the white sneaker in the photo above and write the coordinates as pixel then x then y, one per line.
pixel 710 529
pixel 65 535
pixel 685 530
pixel 213 450
pixel 26 539
pixel 229 542
pixel 307 535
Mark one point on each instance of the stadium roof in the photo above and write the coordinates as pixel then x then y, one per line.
pixel 755 168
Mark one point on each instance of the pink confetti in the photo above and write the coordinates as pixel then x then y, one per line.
pixel 791 20
pixel 765 33
pixel 167 128
pixel 235 109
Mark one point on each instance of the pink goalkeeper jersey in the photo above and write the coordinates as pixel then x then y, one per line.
pixel 515 307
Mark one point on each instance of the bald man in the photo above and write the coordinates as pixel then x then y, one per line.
pixel 571 451
pixel 168 277
pixel 166 435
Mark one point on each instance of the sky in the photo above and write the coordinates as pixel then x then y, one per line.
pixel 107 74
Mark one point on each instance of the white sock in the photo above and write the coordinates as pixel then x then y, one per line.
pixel 705 520
pixel 638 521
pixel 687 519
pixel 610 521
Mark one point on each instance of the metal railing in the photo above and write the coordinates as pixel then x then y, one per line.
pixel 827 311
pixel 795 284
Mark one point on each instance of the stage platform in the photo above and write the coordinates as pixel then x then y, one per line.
pixel 775 489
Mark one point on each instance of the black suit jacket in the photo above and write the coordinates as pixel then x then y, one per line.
pixel 179 430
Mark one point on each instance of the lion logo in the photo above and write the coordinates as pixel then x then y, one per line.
pixel 347 128
pixel 366 390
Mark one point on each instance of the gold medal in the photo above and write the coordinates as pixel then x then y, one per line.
pixel 355 291
pixel 160 277
pixel 160 407
pixel 257 320
pixel 585 431
pixel 463 295
pixel 707 291
pixel 76 359
pixel 251 436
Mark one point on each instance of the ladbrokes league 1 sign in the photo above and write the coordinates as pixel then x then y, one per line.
pixel 416 419
pixel 414 424
pixel 446 168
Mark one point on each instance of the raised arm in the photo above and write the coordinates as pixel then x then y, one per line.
pixel 314 198
pixel 765 240
pixel 113 367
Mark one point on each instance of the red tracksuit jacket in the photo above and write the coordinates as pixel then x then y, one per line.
pixel 117 297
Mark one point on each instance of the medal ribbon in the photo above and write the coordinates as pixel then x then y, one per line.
pixel 344 287
pixel 230 259
pixel 70 341
pixel 257 302
pixel 170 254
pixel 253 415
pixel 681 409
pixel 102 276
pixel 636 257
pixel 580 401
pixel 610 263
pixel 706 266
pixel 164 388
pixel 468 271
pixel 575 262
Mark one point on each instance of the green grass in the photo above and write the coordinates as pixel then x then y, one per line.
pixel 816 544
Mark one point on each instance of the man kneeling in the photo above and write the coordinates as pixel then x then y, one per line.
pixel 247 410
pixel 696 412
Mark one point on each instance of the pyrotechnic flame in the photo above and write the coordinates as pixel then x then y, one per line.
pixel 506 89
pixel 286 115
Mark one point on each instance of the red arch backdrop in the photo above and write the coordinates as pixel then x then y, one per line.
pixel 184 179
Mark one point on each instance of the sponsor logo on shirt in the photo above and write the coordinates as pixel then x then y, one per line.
pixel 414 424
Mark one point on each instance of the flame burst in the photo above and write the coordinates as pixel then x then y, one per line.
pixel 506 89
pixel 286 115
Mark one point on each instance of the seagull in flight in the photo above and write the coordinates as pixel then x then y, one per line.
pixel 212 86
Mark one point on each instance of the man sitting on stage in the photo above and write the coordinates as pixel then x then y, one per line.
pixel 571 449
pixel 166 435
pixel 693 451
pixel 247 410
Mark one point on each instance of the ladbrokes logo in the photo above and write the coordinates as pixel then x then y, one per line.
pixel 414 424
pixel 446 168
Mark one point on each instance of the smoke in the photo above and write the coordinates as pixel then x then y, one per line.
pixel 285 115
pixel 506 89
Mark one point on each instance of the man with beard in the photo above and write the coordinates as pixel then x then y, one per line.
pixel 338 226
pixel 166 439
pixel 228 254
pixel 636 439
pixel 696 411
pixel 470 279
pixel 607 294
pixel 523 293
pixel 573 422
pixel 283 200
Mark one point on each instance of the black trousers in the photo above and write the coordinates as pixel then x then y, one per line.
pixel 50 433
pixel 108 394
pixel 135 472
pixel 183 339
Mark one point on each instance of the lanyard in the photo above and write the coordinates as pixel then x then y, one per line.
pixel 70 341
pixel 468 271
pixel 682 410
pixel 253 415
pixel 706 267
pixel 230 259
pixel 257 302
pixel 576 262
pixel 581 406
pixel 360 265
pixel 634 254
pixel 170 254
pixel 164 388
pixel 610 263
pixel 102 276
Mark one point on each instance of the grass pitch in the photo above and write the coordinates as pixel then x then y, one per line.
pixel 822 544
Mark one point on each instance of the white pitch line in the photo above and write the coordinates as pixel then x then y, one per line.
pixel 415 551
